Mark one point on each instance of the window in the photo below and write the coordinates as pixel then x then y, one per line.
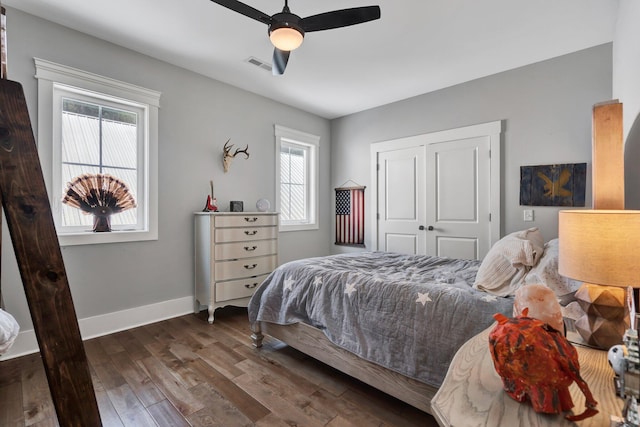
pixel 297 179
pixel 97 126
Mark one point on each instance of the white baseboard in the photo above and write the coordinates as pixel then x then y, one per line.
pixel 109 323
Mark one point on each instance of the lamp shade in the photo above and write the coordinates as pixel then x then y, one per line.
pixel 600 246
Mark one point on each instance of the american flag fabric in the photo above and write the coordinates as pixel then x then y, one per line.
pixel 350 216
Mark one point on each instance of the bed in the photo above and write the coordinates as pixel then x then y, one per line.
pixel 394 321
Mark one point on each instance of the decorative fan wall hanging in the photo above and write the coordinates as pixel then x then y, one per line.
pixel 287 30
pixel 100 195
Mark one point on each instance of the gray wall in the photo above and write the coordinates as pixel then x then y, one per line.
pixel 546 109
pixel 197 116
pixel 626 88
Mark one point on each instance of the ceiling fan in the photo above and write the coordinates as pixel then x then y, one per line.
pixel 286 30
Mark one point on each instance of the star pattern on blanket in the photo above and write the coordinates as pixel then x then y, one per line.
pixel 288 283
pixel 423 298
pixel 350 288
pixel 317 281
pixel 489 298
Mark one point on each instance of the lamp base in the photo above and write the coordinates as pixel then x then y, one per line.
pixel 606 315
pixel 599 332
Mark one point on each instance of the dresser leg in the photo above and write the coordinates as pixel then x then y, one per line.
pixel 211 311
pixel 256 336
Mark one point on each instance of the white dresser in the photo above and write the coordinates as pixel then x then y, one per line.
pixel 234 253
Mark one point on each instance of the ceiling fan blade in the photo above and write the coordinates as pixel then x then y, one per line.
pixel 280 59
pixel 340 18
pixel 245 10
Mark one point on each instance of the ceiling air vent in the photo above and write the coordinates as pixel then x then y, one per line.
pixel 258 63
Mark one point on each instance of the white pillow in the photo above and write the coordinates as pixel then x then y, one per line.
pixel 546 272
pixel 504 268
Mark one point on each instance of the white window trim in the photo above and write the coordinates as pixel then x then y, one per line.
pixel 48 74
pixel 313 142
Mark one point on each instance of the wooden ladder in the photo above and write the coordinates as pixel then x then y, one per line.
pixel 34 238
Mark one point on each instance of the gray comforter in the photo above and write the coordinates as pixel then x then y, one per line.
pixel 408 313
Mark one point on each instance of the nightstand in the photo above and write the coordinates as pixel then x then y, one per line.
pixel 472 394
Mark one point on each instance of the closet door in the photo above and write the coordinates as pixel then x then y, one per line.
pixel 438 193
pixel 401 200
pixel 458 198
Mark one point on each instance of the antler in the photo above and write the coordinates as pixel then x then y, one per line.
pixel 245 151
pixel 226 160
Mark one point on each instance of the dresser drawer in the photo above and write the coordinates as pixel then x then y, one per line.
pixel 234 289
pixel 246 220
pixel 238 250
pixel 226 270
pixel 223 235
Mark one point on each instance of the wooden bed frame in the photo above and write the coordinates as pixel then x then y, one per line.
pixel 314 343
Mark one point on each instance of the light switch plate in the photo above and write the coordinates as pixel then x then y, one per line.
pixel 528 215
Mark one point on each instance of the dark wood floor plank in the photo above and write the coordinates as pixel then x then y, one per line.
pixel 339 421
pixel 36 396
pixel 284 388
pixel 253 409
pixel 344 409
pixel 124 400
pixel 159 333
pixel 162 352
pixel 142 335
pixel 138 419
pixel 110 344
pixel 137 379
pixel 280 373
pixel 170 386
pixel 132 346
pixel 268 395
pixel 223 336
pixel 96 354
pixel 386 407
pixel 109 375
pixel 49 422
pixel 108 413
pixel 11 371
pixel 222 358
pixel 218 408
pixel 272 420
pixel 183 371
pixel 11 413
pixel 165 414
pixel 181 335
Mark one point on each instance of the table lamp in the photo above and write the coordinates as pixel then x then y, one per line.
pixel 602 249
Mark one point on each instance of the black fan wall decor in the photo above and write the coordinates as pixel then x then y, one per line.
pixel 287 30
pixel 100 195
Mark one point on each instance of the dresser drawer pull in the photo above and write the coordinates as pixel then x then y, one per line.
pixel 250 248
pixel 254 219
pixel 250 267
pixel 250 285
pixel 251 232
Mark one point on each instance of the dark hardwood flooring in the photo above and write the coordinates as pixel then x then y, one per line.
pixel 185 372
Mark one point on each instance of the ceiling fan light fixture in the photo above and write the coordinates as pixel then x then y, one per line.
pixel 286 38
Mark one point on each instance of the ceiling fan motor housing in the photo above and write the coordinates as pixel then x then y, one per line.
pixel 285 20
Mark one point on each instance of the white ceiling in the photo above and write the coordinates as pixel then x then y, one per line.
pixel 417 46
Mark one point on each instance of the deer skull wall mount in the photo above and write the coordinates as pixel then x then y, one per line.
pixel 227 156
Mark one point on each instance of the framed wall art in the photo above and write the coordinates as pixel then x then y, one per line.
pixel 350 216
pixel 553 185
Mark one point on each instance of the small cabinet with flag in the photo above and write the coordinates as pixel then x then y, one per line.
pixel 350 216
